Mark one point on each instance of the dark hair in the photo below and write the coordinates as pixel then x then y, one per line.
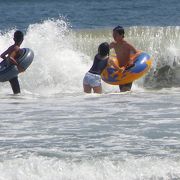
pixel 119 29
pixel 18 36
pixel 103 49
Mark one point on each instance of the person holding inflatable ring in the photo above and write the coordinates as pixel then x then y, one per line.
pixel 11 54
pixel 92 79
pixel 122 49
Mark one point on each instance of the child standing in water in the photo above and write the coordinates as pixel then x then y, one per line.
pixel 92 79
pixel 12 54
pixel 123 49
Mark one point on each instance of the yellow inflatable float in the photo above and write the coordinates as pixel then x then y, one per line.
pixel 142 63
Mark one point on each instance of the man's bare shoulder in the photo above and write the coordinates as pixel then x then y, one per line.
pixel 128 44
pixel 16 48
pixel 13 48
pixel 125 43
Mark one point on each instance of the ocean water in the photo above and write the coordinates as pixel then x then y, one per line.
pixel 53 131
pixel 91 14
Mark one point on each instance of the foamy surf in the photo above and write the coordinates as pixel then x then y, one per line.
pixel 44 168
pixel 63 55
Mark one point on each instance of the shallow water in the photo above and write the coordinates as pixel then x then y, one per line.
pixel 52 130
pixel 110 134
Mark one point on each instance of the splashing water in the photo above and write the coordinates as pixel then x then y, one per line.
pixel 62 56
pixel 56 66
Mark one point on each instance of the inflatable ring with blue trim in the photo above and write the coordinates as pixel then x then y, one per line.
pixel 9 70
pixel 142 64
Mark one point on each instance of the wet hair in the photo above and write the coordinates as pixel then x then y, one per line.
pixel 18 36
pixel 103 49
pixel 119 29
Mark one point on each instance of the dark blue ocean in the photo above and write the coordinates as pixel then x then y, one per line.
pixel 54 131
pixel 90 14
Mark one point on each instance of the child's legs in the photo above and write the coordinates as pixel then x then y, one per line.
pixel 92 81
pixel 125 87
pixel 96 85
pixel 87 88
pixel 97 89
pixel 15 85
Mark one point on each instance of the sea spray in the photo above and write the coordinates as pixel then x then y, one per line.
pixel 56 64
pixel 44 168
pixel 64 55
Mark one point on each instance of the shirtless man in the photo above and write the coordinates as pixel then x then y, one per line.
pixel 123 50
pixel 12 54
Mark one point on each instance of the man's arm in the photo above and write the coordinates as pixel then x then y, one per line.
pixel 13 60
pixel 135 52
pixel 111 62
pixel 13 54
pixel 5 53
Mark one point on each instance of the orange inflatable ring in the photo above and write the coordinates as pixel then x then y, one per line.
pixel 142 63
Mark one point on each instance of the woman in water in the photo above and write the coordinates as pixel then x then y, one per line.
pixel 92 79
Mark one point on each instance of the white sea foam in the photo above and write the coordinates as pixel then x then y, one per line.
pixel 63 56
pixel 40 168
pixel 56 66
